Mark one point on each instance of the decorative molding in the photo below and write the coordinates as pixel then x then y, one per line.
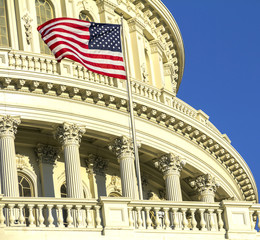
pixel 96 164
pixel 28 27
pixel 22 162
pixel 121 146
pixel 227 160
pixel 169 163
pixel 69 133
pixel 204 184
pixel 8 125
pixel 47 154
pixel 114 185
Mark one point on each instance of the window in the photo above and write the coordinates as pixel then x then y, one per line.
pixel 63 191
pixel 25 186
pixel 84 15
pixel 44 12
pixel 4 41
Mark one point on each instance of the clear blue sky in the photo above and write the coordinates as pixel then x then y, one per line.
pixel 222 68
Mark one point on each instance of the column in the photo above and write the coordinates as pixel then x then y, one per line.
pixel 96 168
pixel 123 149
pixel 8 129
pixel 69 136
pixel 47 156
pixel 171 165
pixel 206 187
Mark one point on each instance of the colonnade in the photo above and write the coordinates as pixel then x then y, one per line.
pixel 69 135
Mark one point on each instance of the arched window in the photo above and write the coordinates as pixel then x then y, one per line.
pixel 84 15
pixel 26 188
pixel 44 12
pixel 4 41
pixel 63 191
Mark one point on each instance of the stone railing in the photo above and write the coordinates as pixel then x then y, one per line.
pixel 47 65
pixel 50 213
pixel 231 219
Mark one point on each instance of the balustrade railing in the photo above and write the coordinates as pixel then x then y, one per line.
pixel 50 213
pixel 171 216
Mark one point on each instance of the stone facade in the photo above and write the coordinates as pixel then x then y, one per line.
pixel 66 153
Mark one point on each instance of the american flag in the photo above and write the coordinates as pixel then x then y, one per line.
pixel 97 46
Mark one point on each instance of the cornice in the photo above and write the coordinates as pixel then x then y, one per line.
pixel 178 122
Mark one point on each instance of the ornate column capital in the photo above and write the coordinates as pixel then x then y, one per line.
pixel 122 147
pixel 69 133
pixel 96 164
pixel 204 184
pixel 8 125
pixel 46 153
pixel 169 164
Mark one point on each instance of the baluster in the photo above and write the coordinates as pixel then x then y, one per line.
pixel 11 214
pixel 89 222
pixel 54 66
pixel 166 219
pixel 98 218
pixel 79 216
pixel 60 216
pixel 31 218
pixel 175 220
pixel 2 217
pixel 36 64
pixel 258 215
pixel 21 218
pixel 193 220
pixel 148 219
pixel 41 218
pixel 202 221
pixel 139 217
pixel 23 60
pixel 130 217
pixel 17 61
pixel 157 220
pixel 252 220
pixel 80 72
pixel 42 65
pixel 220 221
pixel 184 219
pixel 30 63
pixel 211 222
pixel 48 66
pixel 69 217
pixel 11 60
pixel 50 217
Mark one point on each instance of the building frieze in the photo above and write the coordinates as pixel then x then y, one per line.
pixel 178 122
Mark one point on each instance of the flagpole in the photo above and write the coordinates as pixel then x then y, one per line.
pixel 132 122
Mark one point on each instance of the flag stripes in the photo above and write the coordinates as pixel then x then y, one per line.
pixel 70 38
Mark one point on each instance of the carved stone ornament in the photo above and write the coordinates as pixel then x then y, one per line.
pixel 28 27
pixel 8 125
pixel 169 162
pixel 204 184
pixel 22 162
pixel 47 154
pixel 96 164
pixel 115 184
pixel 122 146
pixel 144 73
pixel 152 196
pixel 69 133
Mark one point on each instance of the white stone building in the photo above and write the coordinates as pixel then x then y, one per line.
pixel 66 160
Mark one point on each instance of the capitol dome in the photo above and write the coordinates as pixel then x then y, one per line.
pixel 67 164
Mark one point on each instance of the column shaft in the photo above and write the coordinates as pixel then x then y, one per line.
pixel 173 187
pixel 8 167
pixel 72 168
pixel 128 180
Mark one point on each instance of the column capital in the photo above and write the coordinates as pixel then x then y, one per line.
pixel 8 125
pixel 96 164
pixel 46 153
pixel 204 184
pixel 69 133
pixel 169 164
pixel 122 147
